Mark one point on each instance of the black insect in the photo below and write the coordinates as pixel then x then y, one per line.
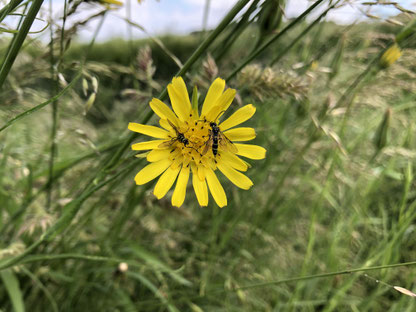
pixel 180 137
pixel 217 138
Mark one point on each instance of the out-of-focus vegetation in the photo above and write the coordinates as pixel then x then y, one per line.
pixel 335 192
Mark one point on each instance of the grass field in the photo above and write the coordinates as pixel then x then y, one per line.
pixel 329 224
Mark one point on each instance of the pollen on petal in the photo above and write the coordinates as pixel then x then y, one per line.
pixel 165 182
pixel 239 179
pixel 251 151
pixel 216 188
pixel 148 130
pixel 151 171
pixel 179 193
pixel 240 134
pixel 241 115
pixel 142 146
pixel 214 92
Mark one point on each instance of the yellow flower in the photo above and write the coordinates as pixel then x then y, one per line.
pixel 391 55
pixel 109 2
pixel 186 144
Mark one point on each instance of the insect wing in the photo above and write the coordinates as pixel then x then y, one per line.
pixel 173 126
pixel 167 143
pixel 208 145
pixel 226 143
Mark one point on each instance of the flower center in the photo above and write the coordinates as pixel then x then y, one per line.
pixel 198 149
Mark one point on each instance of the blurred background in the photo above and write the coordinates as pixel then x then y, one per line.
pixel 333 82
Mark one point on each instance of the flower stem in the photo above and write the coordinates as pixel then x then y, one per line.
pixel 17 42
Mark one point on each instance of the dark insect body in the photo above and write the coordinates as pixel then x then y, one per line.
pixel 215 132
pixel 217 138
pixel 180 137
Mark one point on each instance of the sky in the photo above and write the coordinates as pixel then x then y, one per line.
pixel 184 16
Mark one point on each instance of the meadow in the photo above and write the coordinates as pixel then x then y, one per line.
pixel 329 224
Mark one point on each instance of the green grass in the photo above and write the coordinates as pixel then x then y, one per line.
pixel 326 198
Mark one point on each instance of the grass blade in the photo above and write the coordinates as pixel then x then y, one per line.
pixel 11 283
pixel 18 41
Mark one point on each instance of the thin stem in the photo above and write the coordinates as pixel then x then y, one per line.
pixel 61 45
pixel 54 116
pixel 39 106
pixel 9 8
pixel 323 275
pixel 206 14
pixel 272 40
pixel 303 33
pixel 20 38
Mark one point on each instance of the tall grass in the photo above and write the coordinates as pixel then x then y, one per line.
pixel 328 225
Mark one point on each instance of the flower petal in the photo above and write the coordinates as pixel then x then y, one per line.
pixel 165 182
pixel 240 134
pixel 179 193
pixel 165 124
pixel 163 111
pixel 142 146
pixel 200 188
pixel 179 98
pixel 214 92
pixel 216 188
pixel 225 100
pixel 251 151
pixel 233 161
pixel 152 171
pixel 239 179
pixel 214 113
pixel 158 154
pixel 148 130
pixel 239 116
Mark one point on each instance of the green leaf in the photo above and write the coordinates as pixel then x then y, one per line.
pixel 153 261
pixel 11 283
pixel 152 287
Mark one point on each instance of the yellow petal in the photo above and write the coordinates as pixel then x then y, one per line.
pixel 151 171
pixel 201 173
pixel 251 151
pixel 179 193
pixel 216 188
pixel 200 188
pixel 240 134
pixel 165 182
pixel 163 111
pixel 142 146
pixel 234 176
pixel 116 2
pixel 158 154
pixel 179 98
pixel 225 100
pixel 214 92
pixel 239 116
pixel 148 130
pixel 165 124
pixel 234 161
pixel 214 113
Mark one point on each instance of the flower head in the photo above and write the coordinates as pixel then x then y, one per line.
pixel 390 56
pixel 189 142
